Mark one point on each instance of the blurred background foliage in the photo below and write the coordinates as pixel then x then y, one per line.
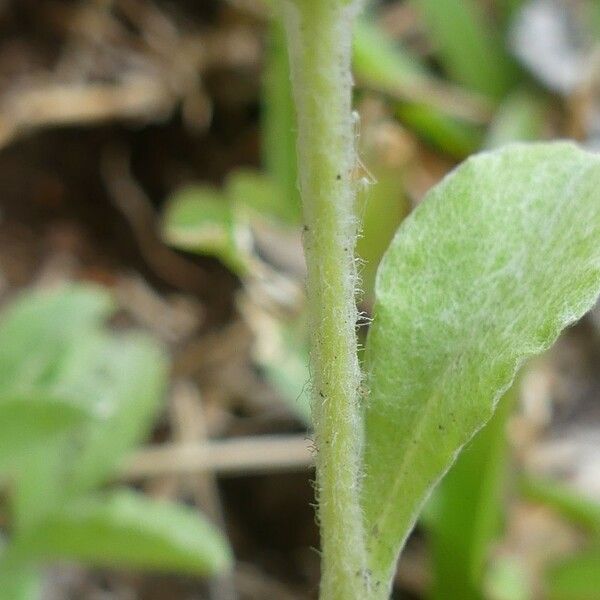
pixel 147 153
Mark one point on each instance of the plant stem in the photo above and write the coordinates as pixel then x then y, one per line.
pixel 320 36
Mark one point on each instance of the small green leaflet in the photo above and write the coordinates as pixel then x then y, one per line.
pixel 122 377
pixel 254 195
pixel 127 530
pixel 29 422
pixel 207 221
pixel 37 330
pixel 201 219
pixel 498 259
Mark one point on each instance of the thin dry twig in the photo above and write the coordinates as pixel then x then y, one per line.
pixel 188 422
pixel 237 456
pixel 143 75
pixel 53 104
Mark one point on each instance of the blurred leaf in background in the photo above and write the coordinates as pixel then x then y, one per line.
pixel 468 46
pixel 279 124
pixel 281 351
pixel 519 118
pixel 34 421
pixel 382 201
pixel 124 528
pixel 466 510
pixel 566 501
pixel 200 219
pixel 74 400
pixel 575 578
pixel 256 196
pixel 423 102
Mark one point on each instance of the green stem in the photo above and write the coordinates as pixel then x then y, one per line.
pixel 320 35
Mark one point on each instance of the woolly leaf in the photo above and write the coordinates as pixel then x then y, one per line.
pixel 497 260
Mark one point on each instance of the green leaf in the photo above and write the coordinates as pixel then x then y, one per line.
pixel 468 508
pixel 508 579
pixel 279 125
pixel 380 63
pixel 498 259
pixel 576 578
pixel 564 500
pixel 40 483
pixel 381 208
pixel 520 118
pixel 30 422
pixel 201 219
pixel 508 8
pixel 255 195
pixel 19 581
pixel 36 331
pixel 59 366
pixel 122 378
pixel 118 378
pixel 468 47
pixel 453 137
pixel 282 352
pixel 127 530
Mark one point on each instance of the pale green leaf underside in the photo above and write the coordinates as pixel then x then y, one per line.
pixel 498 259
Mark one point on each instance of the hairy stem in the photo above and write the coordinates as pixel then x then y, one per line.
pixel 320 35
